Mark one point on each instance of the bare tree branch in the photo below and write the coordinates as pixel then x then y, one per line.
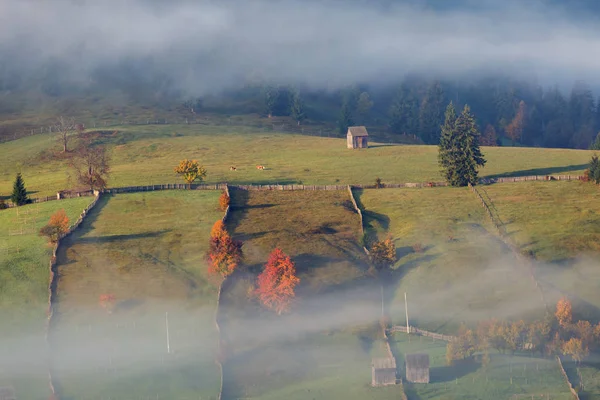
pixel 64 126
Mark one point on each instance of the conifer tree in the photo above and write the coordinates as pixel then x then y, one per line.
pixel 459 153
pixel 297 108
pixel 19 194
pixel 430 113
pixel 594 169
pixel 404 112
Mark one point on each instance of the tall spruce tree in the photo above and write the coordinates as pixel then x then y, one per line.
pixel 404 112
pixel 19 194
pixel 297 107
pixel 431 113
pixel 459 153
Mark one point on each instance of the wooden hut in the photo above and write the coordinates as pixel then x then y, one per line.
pixel 357 137
pixel 7 393
pixel 417 368
pixel 383 372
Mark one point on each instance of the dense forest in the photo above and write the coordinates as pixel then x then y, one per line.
pixel 508 111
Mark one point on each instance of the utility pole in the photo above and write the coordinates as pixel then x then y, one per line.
pixel 406 308
pixel 167 324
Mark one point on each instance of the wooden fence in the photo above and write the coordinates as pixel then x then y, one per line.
pixel 52 284
pixel 422 332
pixel 564 373
pixel 522 258
pixel 220 186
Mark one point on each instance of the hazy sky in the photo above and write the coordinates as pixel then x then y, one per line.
pixel 208 45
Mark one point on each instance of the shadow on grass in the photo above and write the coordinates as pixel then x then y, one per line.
pixel 371 219
pixel 120 238
pixel 539 171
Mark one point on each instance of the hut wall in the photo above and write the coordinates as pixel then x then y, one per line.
pixel 383 376
pixel 417 375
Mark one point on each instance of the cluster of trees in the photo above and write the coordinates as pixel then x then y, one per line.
pixel 275 284
pixel 284 101
pixel 518 111
pixel 555 334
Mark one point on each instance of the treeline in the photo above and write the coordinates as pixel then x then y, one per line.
pixel 507 111
pixel 553 335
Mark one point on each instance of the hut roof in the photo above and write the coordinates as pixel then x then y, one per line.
pixel 417 361
pixel 384 363
pixel 357 131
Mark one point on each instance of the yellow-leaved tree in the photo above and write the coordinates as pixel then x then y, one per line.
pixel 564 312
pixel 191 171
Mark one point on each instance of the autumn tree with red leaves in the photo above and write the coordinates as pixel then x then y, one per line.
pixel 56 227
pixel 107 301
pixel 224 254
pixel 277 282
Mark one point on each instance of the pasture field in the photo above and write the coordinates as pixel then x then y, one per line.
pixel 24 274
pixel 144 155
pixel 559 222
pixel 146 249
pixel 469 379
pixel 462 273
pixel 323 348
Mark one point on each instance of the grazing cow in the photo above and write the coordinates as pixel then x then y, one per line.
pixel 260 167
pixel 232 168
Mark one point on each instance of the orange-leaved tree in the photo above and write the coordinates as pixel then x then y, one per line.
pixel 277 282
pixel 564 312
pixel 190 170
pixel 576 349
pixel 224 254
pixel 224 201
pixel 56 227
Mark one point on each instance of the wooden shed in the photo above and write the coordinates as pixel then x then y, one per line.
pixel 383 372
pixel 7 393
pixel 357 137
pixel 417 368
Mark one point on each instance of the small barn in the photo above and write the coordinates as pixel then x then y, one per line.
pixel 7 393
pixel 383 372
pixel 357 137
pixel 417 368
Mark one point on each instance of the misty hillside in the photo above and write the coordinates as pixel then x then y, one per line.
pixel 147 59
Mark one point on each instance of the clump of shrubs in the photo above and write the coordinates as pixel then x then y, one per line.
pixel 3 204
pixel 378 183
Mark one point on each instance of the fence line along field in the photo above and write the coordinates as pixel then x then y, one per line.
pixel 452 268
pixel 323 348
pixel 24 259
pixel 145 155
pixel 135 303
pixel 504 377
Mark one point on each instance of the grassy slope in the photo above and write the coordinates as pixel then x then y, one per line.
pixel 290 356
pixel 470 381
pixel 147 249
pixel 464 274
pixel 146 154
pixel 24 295
pixel 563 231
